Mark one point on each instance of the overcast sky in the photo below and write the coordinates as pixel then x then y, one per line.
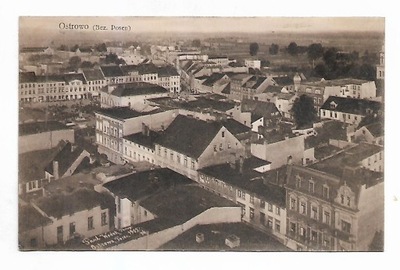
pixel 212 24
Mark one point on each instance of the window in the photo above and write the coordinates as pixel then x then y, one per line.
pixel 314 236
pixel 251 213
pixel 90 223
pixel 348 201
pixel 178 158
pixel 325 192
pixel 251 198
pixel 165 152
pixel 327 217
pixel 243 209
pixel 215 148
pixel 277 210
pixel 193 164
pixel 298 181
pixel 159 150
pixel 314 212
pixel 103 218
pixel 302 231
pixel 262 204
pixel 229 145
pixel 71 228
pixel 292 203
pixel 60 237
pixel 270 222
pixel 346 226
pixel 145 213
pixel 185 161
pixel 303 208
pixel 292 227
pixel 220 147
pixel 269 207
pixel 311 186
pixel 380 155
pixel 262 218
pixel 223 134
pixel 171 155
pixel 277 225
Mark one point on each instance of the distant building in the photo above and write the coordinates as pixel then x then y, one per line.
pixel 245 86
pixel 259 115
pixel 371 133
pixel 349 110
pixel 253 63
pixel 380 69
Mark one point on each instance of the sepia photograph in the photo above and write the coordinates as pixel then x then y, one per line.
pixel 201 134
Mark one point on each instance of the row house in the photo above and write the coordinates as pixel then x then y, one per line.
pixel 333 211
pixel 348 88
pixel 64 217
pixel 214 83
pixel 247 183
pixel 189 144
pixel 370 133
pixel 70 86
pixel 95 80
pixel 350 110
pixel 26 52
pixel 245 86
pixel 259 115
pixel 113 124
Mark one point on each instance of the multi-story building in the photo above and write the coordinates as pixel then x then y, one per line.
pixel 337 209
pixel 95 80
pixel 348 88
pixel 133 95
pixel 245 86
pixel 247 183
pixel 83 213
pixel 189 144
pixel 45 88
pixel 380 69
pixel 252 63
pixel 112 124
pixel 350 110
pixel 259 115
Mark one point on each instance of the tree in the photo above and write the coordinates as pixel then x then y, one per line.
pixel 292 48
pixel 315 51
pixel 74 62
pixel 303 111
pixel 63 47
pixel 74 48
pixel 330 57
pixel 101 47
pixel 253 48
pixel 196 43
pixel 273 49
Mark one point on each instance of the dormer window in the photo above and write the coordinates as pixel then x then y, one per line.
pixel 333 105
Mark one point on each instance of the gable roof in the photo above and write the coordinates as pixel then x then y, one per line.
pixel 137 89
pixel 30 218
pixel 93 74
pixel 235 127
pixel 167 71
pixel 39 127
pixel 189 136
pixel 213 78
pixel 273 89
pixel 65 157
pixel 142 139
pixel 352 105
pixel 260 109
pixel 112 71
pixel 119 112
pixel 284 80
pixel 376 129
pixel 27 77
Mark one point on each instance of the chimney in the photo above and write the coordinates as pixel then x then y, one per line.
pixel 143 129
pixel 241 161
pixel 55 170
pixel 147 131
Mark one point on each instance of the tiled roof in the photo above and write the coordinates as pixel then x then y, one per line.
pixel 260 109
pixel 29 218
pixel 235 127
pixel 167 71
pixel 273 89
pixel 183 202
pixel 189 136
pixel 138 88
pixel 207 103
pixel 93 74
pixel 283 81
pixel 249 180
pixel 352 105
pixel 143 139
pixel 27 77
pixel 143 184
pixel 376 129
pixel 60 205
pixel 112 71
pixel 213 78
pixel 119 112
pixel 39 127
pixel 65 158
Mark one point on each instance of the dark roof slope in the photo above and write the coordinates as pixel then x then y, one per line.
pixel 111 71
pixel 235 127
pixel 137 88
pixel 65 157
pixel 143 139
pixel 213 78
pixel 119 112
pixel 93 74
pixel 39 127
pixel 250 181
pixel 143 184
pixel 27 77
pixel 74 76
pixel 283 81
pixel 29 218
pixel 167 71
pixel 260 109
pixel 60 205
pixel 376 129
pixel 352 105
pixel 189 136
pixel 207 103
